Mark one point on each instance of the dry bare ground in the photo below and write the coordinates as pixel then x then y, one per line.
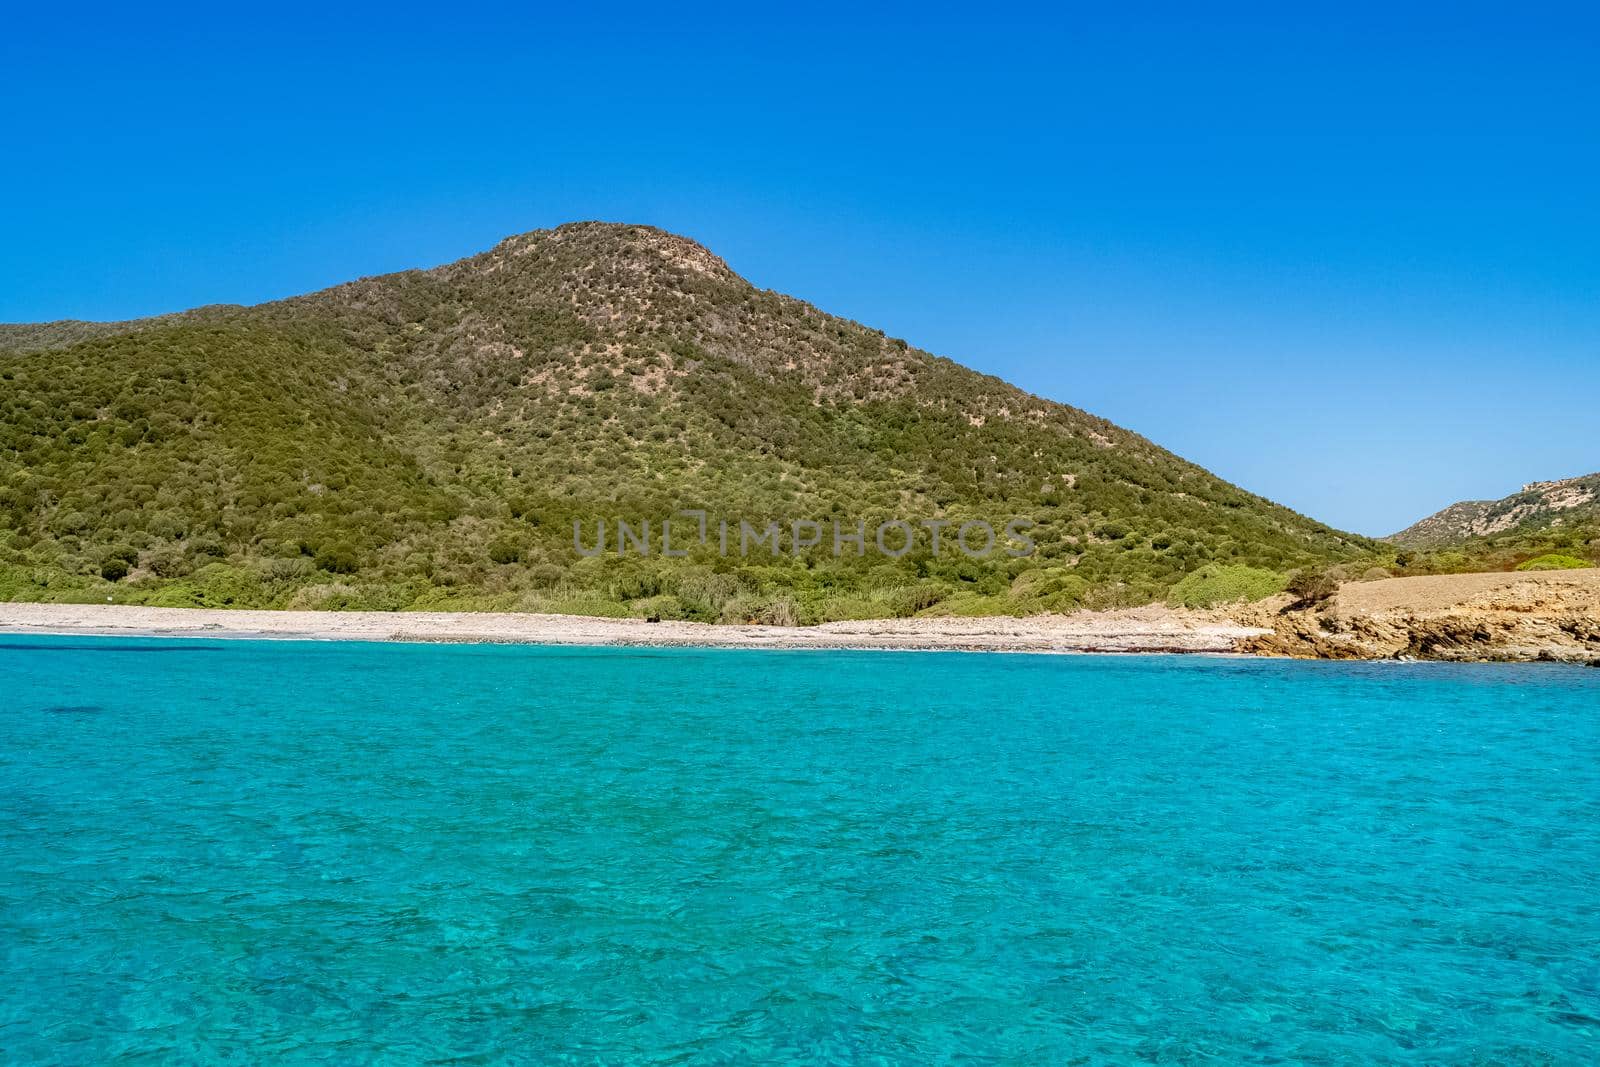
pixel 1536 615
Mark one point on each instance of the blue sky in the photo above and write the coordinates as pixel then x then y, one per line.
pixel 1348 257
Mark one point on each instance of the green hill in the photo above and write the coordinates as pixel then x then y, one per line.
pixel 427 439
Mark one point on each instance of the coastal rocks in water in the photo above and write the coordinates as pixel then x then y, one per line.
pixel 1465 617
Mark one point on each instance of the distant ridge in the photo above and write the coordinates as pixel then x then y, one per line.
pixel 1535 506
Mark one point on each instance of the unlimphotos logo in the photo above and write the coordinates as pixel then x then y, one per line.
pixel 973 538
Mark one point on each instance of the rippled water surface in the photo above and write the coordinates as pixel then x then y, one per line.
pixel 254 852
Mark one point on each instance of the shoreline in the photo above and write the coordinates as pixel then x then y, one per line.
pixel 1514 617
pixel 1140 630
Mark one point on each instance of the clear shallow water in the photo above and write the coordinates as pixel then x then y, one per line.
pixel 250 851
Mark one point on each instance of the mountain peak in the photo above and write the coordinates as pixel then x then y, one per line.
pixel 631 249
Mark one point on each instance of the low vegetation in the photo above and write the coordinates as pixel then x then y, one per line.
pixel 1214 585
pixel 1554 561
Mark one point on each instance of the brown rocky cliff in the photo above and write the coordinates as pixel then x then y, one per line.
pixel 1516 617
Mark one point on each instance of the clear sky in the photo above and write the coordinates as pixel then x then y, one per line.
pixel 1346 257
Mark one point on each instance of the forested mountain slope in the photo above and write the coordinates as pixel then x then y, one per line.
pixel 428 438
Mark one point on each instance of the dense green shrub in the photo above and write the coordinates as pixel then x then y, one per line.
pixel 504 551
pixel 338 559
pixel 1216 584
pixel 216 585
pixel 1554 562
pixel 1311 587
pixel 658 607
pixel 168 562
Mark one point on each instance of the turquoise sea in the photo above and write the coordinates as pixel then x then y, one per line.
pixel 250 852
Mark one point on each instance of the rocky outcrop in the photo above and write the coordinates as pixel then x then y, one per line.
pixel 1465 618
